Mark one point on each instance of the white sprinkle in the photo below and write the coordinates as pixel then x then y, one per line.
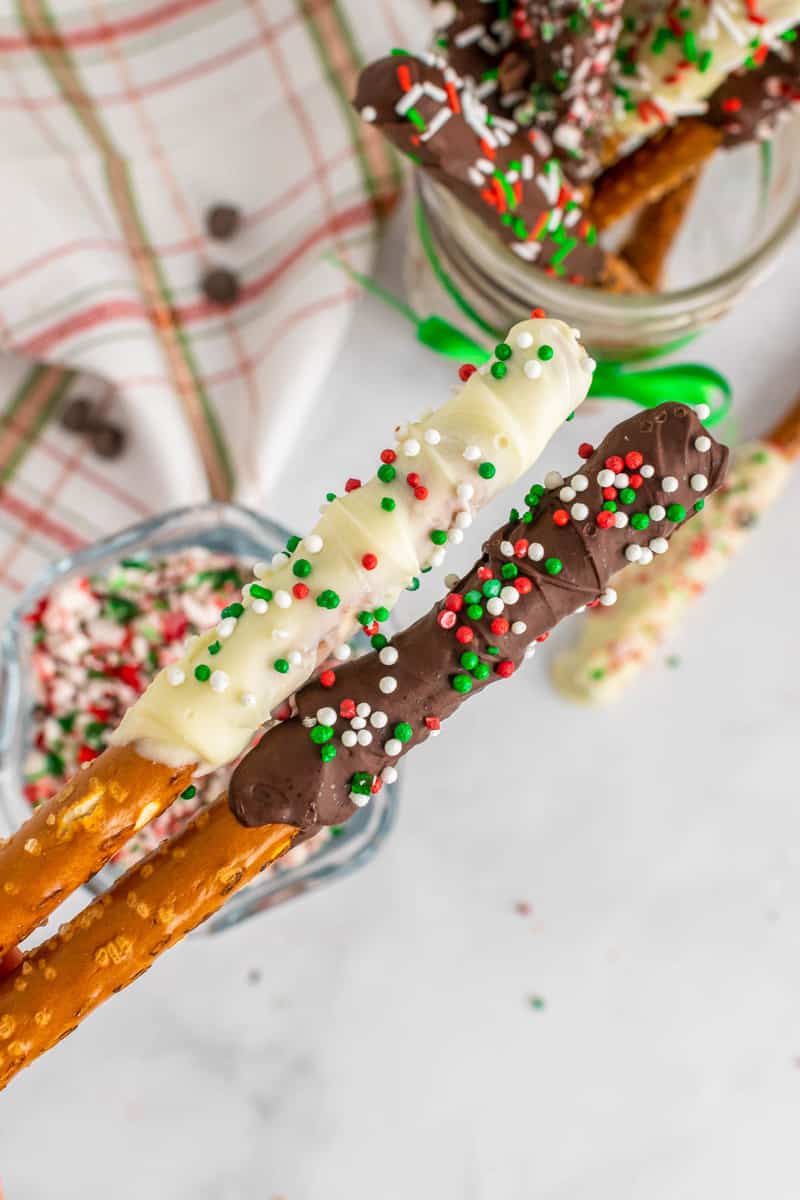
pixel 279 559
pixel 605 478
pixel 507 549
pixel 646 556
pixel 393 747
pixel 518 627
pixel 633 552
pixel 411 448
pixel 702 443
pixel 462 520
pixel 703 411
pixel 579 512
pixel 326 716
pixel 698 483
pixel 259 607
pixel 388 656
pixel 387 684
pixel 349 738
pixel 283 599
pixel 608 597
pixel 313 543
pixel 363 709
pixel 389 775
pixel 524 339
pixel 494 606
pixel 536 552
pixel 553 479
pixel 621 480
pixel 175 676
pixel 465 491
pixel 669 483
pixel 589 365
pixel 620 520
pixel 343 652
pixel 451 580
pixel 359 800
pixel 378 719
pixel 364 737
pixel 368 113
pixel 248 700
pixel 432 437
pixel 657 512
pixel 219 681
pixel 438 556
pixel 509 595
pixel 579 482
pixel 357 723
pixel 647 472
pixel 576 333
pixel 472 453
pixel 532 368
pixel 530 650
pixel 659 545
pixel 566 494
pixel 295 658
pixel 260 569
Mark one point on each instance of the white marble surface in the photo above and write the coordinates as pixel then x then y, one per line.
pixel 390 1049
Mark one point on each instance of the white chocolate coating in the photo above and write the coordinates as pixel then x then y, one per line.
pixel 508 421
pixel 723 27
pixel 616 643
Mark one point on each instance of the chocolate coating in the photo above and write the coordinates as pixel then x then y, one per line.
pixel 284 779
pixel 751 101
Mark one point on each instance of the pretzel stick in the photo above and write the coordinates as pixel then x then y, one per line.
pixel 613 647
pixel 293 784
pixel 368 545
pixel 657 167
pixel 657 227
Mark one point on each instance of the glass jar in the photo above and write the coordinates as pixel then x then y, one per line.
pixel 746 208
pixel 224 528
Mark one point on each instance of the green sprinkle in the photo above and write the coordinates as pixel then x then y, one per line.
pixel 361 783
pixel 527 517
pixel 482 671
pixel 661 40
pixel 689 46
pixel 118 609
pixel 388 504
pixel 190 792
pixel 403 732
pixel 610 505
pixel 260 592
pixel 704 61
pixel 414 585
pixel 461 683
pixel 469 660
pixel 386 473
pixel 503 351
pixel 509 570
pixel 513 516
pixel 55 763
pixel 597 674
pixel 214 647
pixel 68 721
pixel 499 370
pixel 281 666
pixel 292 543
pixel 416 119
pixel 337 830
pixel 537 490
pixel 545 353
pixel 627 495
pixel 202 673
pixel 474 612
pixel 321 734
pixel 492 587
pixel 571 416
pixel 327 753
pixel 699 505
pixel 438 537
pixel 136 564
pixel 487 470
pixel 676 512
pixel 536 1002
pixel 788 35
pixel 378 641
pixel 381 613
pixel 492 649
pixel 233 610
pixel 553 566
pixel 328 599
pixel 473 597
pixel 94 729
pixel 364 617
pixel 397 52
pixel 302 568
pixel 330 497
pixel 640 521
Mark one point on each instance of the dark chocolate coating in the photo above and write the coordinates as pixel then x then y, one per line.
pixel 451 156
pixel 748 105
pixel 284 779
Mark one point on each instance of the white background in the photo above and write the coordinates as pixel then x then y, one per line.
pixel 390 1049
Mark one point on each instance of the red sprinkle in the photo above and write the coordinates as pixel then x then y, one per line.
pixel 388 456
pixel 485 573
pixel 413 479
pixel 352 485
pixel 421 493
pixel 369 562
pixel 376 785
pixel 538 313
pixel 87 754
pixel 328 678
pixel 633 460
pixel 130 675
pixel 465 370
pixel 464 634
pixel 561 517
pixel 300 591
pixel 499 626
pixel 521 547
pixel 635 481
pixel 347 709
pixel 593 603
pixel 523 585
pixel 446 618
pixel 371 630
pixel 605 519
pixel 609 493
pixel 505 668
pixel 433 723
pixel 586 450
pixel 454 602
pixel 614 463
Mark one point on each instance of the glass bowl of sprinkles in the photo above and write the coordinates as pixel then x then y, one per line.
pixel 746 208
pixel 88 637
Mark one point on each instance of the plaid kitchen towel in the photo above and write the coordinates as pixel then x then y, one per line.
pixel 121 126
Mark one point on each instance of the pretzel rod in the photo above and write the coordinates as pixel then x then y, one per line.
pixel 368 545
pixel 656 168
pixel 657 227
pixel 326 761
pixel 613 647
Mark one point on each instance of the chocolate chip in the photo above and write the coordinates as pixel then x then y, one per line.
pixel 79 416
pixel 221 286
pixel 223 221
pixel 108 441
